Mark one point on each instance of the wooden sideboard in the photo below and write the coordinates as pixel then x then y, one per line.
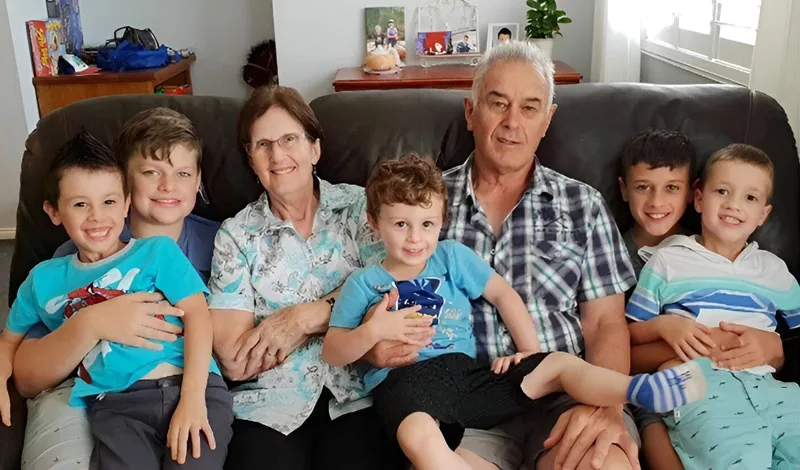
pixel 440 76
pixel 58 91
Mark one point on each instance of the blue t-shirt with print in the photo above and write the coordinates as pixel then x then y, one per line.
pixel 453 275
pixel 58 288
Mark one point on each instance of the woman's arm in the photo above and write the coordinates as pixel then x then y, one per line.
pixel 40 364
pixel 229 326
pixel 513 312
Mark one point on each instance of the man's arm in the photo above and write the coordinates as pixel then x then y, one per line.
pixel 605 333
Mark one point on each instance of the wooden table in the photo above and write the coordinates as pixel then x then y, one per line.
pixel 438 76
pixel 58 91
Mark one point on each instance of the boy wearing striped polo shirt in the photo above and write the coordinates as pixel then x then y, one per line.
pixel 748 419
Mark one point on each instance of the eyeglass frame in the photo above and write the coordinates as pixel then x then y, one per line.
pixel 251 150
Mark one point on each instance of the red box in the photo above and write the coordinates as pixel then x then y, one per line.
pixel 40 52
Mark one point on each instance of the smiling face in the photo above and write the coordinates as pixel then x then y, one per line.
pixel 410 234
pixel 733 202
pixel 163 192
pixel 281 154
pixel 510 116
pixel 657 197
pixel 92 207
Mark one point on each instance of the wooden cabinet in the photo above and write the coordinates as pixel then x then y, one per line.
pixel 58 91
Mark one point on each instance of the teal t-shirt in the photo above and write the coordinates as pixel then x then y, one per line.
pixel 56 289
pixel 453 275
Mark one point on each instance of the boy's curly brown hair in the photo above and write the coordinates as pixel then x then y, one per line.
pixel 410 180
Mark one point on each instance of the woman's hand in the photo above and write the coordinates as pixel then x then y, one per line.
pixel 688 338
pixel 751 348
pixel 188 420
pixel 275 338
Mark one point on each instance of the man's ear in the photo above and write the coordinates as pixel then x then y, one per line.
pixel 469 108
pixel 550 113
pixel 52 212
pixel 622 188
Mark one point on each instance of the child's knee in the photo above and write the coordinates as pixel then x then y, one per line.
pixel 615 460
pixel 416 430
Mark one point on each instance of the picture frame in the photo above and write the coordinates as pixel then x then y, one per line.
pixel 494 30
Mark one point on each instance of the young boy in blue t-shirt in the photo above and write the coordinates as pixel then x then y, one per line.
pixel 407 206
pixel 141 401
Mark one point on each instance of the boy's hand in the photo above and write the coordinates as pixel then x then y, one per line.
pixel 503 363
pixel 130 319
pixel 405 325
pixel 189 419
pixel 750 347
pixel 688 338
pixel 5 404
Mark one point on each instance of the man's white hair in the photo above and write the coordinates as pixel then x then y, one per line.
pixel 516 51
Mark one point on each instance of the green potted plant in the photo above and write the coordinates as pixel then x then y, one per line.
pixel 544 22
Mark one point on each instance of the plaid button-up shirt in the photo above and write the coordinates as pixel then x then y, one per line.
pixel 558 247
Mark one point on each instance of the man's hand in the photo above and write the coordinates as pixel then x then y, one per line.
pixel 688 338
pixel 389 353
pixel 271 341
pixel 583 426
pixel 750 348
pixel 130 319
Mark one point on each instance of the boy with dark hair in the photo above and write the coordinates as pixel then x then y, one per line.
pixel 141 400
pixel 655 180
pixel 693 284
pixel 407 206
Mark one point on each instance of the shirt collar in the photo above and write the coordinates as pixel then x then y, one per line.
pixel 331 198
pixel 540 185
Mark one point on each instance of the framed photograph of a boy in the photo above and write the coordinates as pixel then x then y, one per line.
pixel 501 33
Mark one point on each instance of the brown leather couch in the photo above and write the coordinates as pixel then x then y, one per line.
pixel 591 125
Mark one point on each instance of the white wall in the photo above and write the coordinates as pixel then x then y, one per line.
pixel 221 33
pixel 314 38
pixel 12 116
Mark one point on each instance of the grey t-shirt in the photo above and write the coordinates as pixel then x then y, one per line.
pixel 633 252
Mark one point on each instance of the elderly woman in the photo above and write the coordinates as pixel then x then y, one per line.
pixel 276 267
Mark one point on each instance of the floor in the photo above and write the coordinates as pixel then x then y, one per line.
pixel 6 250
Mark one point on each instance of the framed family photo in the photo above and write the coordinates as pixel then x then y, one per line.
pixel 501 33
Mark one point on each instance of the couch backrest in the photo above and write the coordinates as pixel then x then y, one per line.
pixel 591 125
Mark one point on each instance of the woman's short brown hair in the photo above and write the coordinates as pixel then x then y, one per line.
pixel 288 99
pixel 153 133
pixel 410 180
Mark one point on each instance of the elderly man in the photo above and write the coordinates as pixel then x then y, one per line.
pixel 555 241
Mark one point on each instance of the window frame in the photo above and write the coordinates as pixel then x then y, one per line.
pixel 700 64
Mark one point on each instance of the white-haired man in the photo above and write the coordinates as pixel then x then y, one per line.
pixel 555 241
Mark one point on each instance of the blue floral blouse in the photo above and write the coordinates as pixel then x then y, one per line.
pixel 261 265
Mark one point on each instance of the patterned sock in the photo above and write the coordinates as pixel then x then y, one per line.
pixel 668 389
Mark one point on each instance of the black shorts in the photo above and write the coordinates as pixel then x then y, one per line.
pixel 454 389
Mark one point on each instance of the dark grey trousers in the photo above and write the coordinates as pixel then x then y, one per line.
pixel 130 427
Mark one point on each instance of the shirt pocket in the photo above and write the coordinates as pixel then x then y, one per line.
pixel 557 258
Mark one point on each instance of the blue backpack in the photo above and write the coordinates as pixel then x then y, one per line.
pixel 127 56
